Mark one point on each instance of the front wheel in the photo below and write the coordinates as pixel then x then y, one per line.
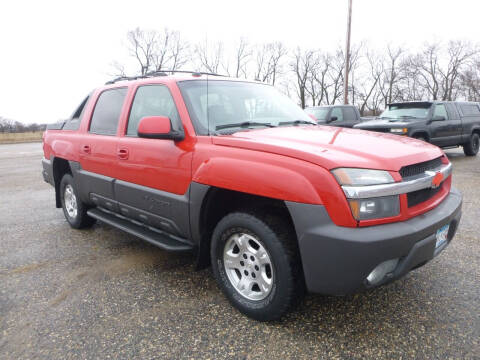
pixel 74 209
pixel 470 148
pixel 256 264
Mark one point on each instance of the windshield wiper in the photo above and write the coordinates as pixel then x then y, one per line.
pixel 296 122
pixel 244 124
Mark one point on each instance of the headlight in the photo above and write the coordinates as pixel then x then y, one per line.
pixel 372 208
pixel 353 176
pixel 399 130
pixel 375 208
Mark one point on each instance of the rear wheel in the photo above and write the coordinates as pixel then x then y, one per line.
pixel 74 209
pixel 470 148
pixel 256 264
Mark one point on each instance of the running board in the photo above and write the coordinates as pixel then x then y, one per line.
pixel 155 237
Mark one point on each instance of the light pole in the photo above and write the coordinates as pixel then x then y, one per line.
pixel 347 54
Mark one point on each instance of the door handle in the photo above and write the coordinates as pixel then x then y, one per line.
pixel 122 154
pixel 86 149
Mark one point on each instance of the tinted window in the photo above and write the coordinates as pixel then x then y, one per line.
pixel 107 112
pixel 152 100
pixel 349 113
pixel 440 111
pixel 452 111
pixel 74 122
pixel 470 109
pixel 338 113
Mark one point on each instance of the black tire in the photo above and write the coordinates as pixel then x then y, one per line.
pixel 80 220
pixel 279 241
pixel 422 138
pixel 470 148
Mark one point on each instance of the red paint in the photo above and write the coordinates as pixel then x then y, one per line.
pixel 153 125
pixel 287 163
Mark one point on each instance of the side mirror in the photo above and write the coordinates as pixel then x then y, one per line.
pixel 158 127
pixel 333 118
pixel 438 118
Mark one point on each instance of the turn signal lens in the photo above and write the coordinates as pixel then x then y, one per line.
pixel 354 176
pixel 399 130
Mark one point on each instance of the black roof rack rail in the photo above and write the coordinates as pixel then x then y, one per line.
pixel 160 73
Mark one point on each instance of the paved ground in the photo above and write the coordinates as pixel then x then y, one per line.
pixel 100 293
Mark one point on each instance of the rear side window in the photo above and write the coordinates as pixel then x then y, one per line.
pixel 470 109
pixel 107 112
pixel 152 100
pixel 338 113
pixel 349 113
pixel 440 111
pixel 74 122
pixel 452 110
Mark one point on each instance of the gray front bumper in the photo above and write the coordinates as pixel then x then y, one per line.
pixel 336 260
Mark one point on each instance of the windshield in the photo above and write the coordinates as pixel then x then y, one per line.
pixel 217 105
pixel 319 113
pixel 403 111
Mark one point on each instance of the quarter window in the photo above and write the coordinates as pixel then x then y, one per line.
pixel 107 112
pixel 152 100
pixel 470 109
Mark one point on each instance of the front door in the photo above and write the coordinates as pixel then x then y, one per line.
pixel 154 174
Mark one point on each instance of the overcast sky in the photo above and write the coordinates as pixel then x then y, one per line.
pixel 52 53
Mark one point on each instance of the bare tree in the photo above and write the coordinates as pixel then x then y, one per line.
pixel 302 65
pixel 210 56
pixel 470 78
pixel 459 53
pixel 370 86
pixel 269 59
pixel 141 45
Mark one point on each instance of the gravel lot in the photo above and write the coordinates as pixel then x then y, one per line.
pixel 101 293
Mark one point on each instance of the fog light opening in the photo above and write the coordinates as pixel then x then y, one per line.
pixel 379 273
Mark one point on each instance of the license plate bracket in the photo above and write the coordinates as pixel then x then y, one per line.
pixel 442 236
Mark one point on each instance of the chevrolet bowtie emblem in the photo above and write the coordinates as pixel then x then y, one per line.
pixel 437 178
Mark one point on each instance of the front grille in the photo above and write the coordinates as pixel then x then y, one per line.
pixel 384 130
pixel 420 168
pixel 419 196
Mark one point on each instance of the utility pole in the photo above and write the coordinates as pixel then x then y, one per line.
pixel 347 54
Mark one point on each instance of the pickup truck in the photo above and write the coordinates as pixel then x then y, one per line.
pixel 335 115
pixel 240 175
pixel 442 123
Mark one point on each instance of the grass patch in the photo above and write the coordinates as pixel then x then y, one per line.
pixel 10 138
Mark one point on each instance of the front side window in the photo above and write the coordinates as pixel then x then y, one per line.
pixel 440 111
pixel 216 105
pixel 107 112
pixel 337 112
pixel 152 100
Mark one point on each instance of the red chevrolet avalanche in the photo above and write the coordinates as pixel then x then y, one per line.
pixel 237 173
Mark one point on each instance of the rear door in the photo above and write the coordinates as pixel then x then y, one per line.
pixel 98 149
pixel 154 174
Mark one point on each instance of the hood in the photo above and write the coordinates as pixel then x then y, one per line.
pixel 386 123
pixel 332 147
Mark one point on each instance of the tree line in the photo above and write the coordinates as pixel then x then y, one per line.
pixel 437 71
pixel 12 126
